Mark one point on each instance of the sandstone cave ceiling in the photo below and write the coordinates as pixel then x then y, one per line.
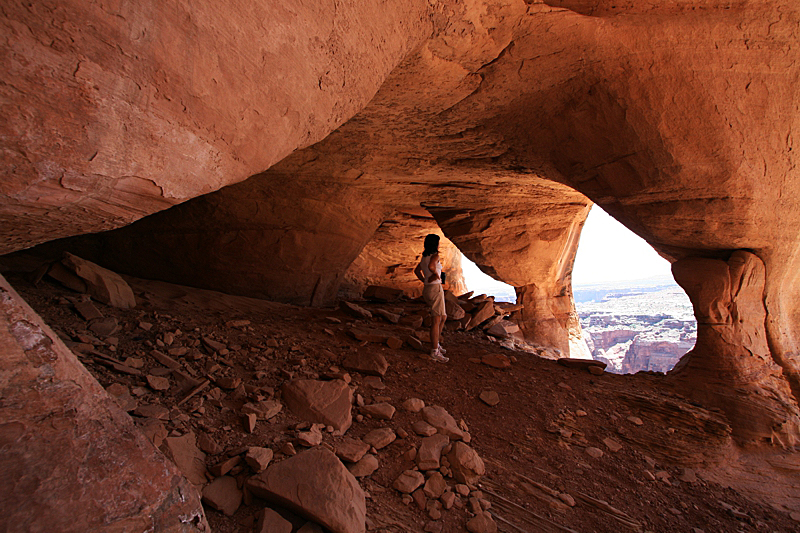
pixel 503 119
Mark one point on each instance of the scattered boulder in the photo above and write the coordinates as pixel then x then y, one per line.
pixel 364 466
pixel 223 495
pixel 409 481
pixel 435 486
pixel 354 310
pixel 612 444
pixel 380 438
pixel 310 438
pixel 373 364
pixel 157 383
pixel 585 364
pixel 466 465
pixel 597 453
pixel 317 486
pixel 326 402
pixel 351 449
pixel 271 522
pixel 439 418
pixel 423 429
pixel 392 318
pixel 430 451
pixel 103 285
pixel 413 405
pixel 258 458
pixel 381 411
pixel 187 457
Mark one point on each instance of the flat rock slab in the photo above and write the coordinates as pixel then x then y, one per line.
pixel 439 418
pixel 570 362
pixel 364 466
pixel 102 284
pixel 380 438
pixel 381 411
pixel 187 457
pixel 490 398
pixel 263 410
pixel 354 310
pixel 317 486
pixel 351 450
pixel 367 363
pixel 325 402
pixel 223 495
pixel 496 361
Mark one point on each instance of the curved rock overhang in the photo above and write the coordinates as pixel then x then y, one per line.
pixel 504 119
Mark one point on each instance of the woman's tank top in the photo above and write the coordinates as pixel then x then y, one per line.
pixel 426 271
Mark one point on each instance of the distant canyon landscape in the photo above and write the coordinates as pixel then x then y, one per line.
pixel 633 326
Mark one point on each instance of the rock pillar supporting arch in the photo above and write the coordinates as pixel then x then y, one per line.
pixel 731 366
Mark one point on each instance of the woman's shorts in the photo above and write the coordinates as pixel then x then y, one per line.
pixel 434 297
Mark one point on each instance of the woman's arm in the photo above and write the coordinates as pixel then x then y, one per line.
pixel 432 267
pixel 418 273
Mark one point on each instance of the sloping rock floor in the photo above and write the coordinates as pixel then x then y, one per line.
pixel 564 450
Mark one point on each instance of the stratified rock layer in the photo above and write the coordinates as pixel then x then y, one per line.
pixel 66 445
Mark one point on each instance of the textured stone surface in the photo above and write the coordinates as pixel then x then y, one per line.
pixel 730 366
pixel 466 464
pixel 326 402
pixel 317 486
pixel 501 119
pixel 55 399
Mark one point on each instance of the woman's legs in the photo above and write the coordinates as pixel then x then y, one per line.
pixel 436 331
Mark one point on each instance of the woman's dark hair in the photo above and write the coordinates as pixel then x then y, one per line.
pixel 431 245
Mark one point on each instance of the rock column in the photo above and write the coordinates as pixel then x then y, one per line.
pixel 731 366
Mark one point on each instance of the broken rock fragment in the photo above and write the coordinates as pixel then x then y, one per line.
pixel 102 284
pixel 370 364
pixel 409 481
pixel 351 449
pixel 466 465
pixel 326 402
pixel 364 466
pixel 223 495
pixel 439 418
pixel 187 457
pixel 258 458
pixel 354 310
pixel 430 451
pixel 271 522
pixel 381 411
pixel 482 523
pixel 380 438
pixel 317 486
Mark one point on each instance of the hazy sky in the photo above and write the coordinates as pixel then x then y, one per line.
pixel 608 251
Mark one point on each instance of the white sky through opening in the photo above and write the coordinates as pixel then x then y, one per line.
pixel 608 252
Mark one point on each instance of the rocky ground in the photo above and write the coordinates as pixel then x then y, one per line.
pixel 562 449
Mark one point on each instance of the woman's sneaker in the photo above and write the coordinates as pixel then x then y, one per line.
pixel 442 350
pixel 438 357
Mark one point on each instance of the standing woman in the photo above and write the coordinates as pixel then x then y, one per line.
pixel 429 272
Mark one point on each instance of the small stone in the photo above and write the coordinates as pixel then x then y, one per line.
pixel 401 433
pixel 364 466
pixel 420 499
pixel 258 458
pixel 430 451
pixel 410 454
pixel 649 475
pixel 447 499
pixel 208 445
pixel 147 326
pixel 223 495
pixel 413 405
pixel 409 481
pixel 157 383
pixel 374 382
pixel 223 467
pixel 435 486
pixel 596 370
pixel 435 514
pixel 310 527
pixel 597 453
pixel 433 527
pixel 490 398
pixel 381 411
pixel 423 429
pixel 134 362
pixel 795 515
pixel 566 498
pixel 249 422
pixel 663 475
pixel 380 438
pixel 310 438
pixel 228 383
pixel 635 420
pixel 465 463
pixel 612 444
pixel 152 411
pixel 288 449
pixel 496 361
pixel 581 412
pixel 462 489
pixel 688 476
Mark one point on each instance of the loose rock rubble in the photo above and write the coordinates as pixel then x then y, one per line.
pixel 255 420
